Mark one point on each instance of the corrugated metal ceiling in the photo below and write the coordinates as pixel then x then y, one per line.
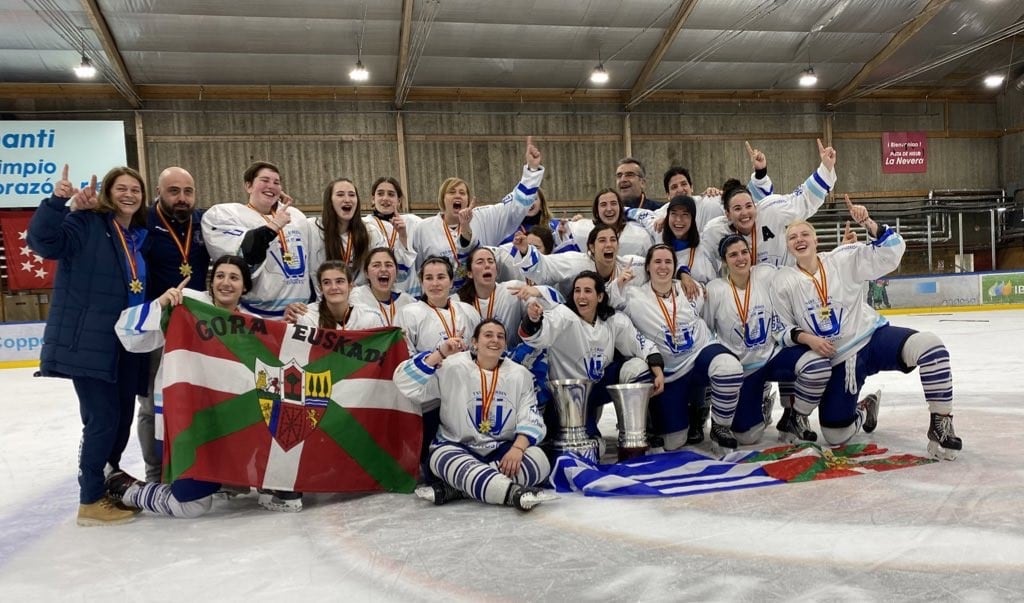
pixel 742 45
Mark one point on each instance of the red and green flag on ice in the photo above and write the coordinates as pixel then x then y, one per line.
pixel 686 472
pixel 262 403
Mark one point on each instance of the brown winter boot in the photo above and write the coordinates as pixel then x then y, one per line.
pixel 103 512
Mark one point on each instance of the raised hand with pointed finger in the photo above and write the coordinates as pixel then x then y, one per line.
pixel 828 155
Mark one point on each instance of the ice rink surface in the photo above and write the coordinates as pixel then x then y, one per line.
pixel 950 531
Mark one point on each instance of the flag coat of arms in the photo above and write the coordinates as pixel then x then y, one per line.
pixel 263 403
pixel 25 268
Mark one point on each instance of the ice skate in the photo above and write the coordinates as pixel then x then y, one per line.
pixel 103 512
pixel 794 428
pixel 803 425
pixel 280 501
pixel 439 493
pixel 768 406
pixel 722 440
pixel 118 482
pixel 870 405
pixel 232 492
pixel 698 416
pixel 942 441
pixel 526 498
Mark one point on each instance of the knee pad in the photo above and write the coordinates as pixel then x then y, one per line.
pixel 918 345
pixel 724 365
pixel 837 436
pixel 196 508
pixel 750 436
pixel 634 370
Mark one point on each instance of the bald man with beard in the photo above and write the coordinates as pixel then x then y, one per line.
pixel 175 250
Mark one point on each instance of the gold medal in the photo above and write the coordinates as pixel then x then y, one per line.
pixel 487 398
pixel 287 257
pixel 183 248
pixel 135 286
pixel 824 312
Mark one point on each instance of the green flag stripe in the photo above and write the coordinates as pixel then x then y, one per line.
pixel 244 346
pixel 210 424
pixel 811 471
pixel 346 359
pixel 247 349
pixel 348 433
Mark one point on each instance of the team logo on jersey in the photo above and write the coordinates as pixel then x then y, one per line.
pixel 681 342
pixel 755 331
pixel 292 400
pixel 823 320
pixel 493 424
pixel 292 263
pixel 595 365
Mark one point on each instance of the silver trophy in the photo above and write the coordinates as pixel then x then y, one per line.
pixel 570 397
pixel 630 402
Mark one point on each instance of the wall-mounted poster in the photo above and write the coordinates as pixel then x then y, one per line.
pixel 904 152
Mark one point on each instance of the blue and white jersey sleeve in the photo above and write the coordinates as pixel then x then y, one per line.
pixel 138 327
pixel 492 223
pixel 556 270
pixel 804 201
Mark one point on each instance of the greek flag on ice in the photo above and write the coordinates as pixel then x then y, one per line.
pixel 670 474
pixel 685 472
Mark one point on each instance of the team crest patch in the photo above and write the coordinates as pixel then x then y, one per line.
pixel 292 400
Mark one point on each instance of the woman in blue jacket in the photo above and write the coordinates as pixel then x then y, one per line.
pixel 97 239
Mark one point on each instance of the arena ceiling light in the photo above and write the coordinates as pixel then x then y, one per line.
pixel 808 78
pixel 85 70
pixel 359 73
pixel 599 75
pixel 994 81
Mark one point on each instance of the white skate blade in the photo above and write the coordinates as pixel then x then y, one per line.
pixel 272 503
pixel 529 500
pixel 939 453
pixel 424 492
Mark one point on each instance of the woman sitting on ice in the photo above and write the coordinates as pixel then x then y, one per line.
pixel 486 446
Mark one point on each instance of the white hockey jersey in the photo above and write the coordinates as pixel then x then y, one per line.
pixel 363 296
pixel 633 240
pixel 282 278
pixel 560 269
pixel 754 340
pixel 679 343
pixel 578 350
pixel 425 327
pixel 459 383
pixel 490 225
pixel 774 213
pixel 360 317
pixel 318 250
pixel 507 308
pixel 405 279
pixel 845 318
